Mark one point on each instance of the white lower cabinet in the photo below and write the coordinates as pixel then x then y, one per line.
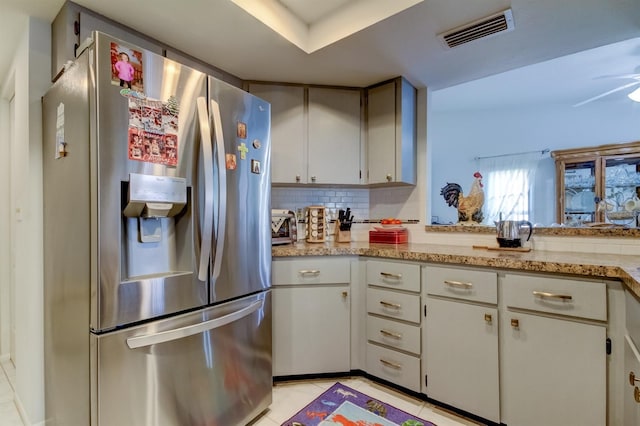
pixel 311 316
pixel 394 366
pixel 513 348
pixel 553 360
pixel 461 339
pixel 632 386
pixel 554 371
pixel 394 322
pixel 461 356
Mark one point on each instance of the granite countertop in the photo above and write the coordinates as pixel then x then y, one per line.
pixel 561 231
pixel 594 265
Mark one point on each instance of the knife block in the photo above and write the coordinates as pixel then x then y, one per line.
pixel 316 224
pixel 341 236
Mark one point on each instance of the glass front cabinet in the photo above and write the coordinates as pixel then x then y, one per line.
pixel 598 186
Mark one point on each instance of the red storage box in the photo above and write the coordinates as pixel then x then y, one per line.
pixel 395 236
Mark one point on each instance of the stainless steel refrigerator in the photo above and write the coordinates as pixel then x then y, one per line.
pixel 157 244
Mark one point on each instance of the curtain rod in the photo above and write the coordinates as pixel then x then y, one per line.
pixel 542 152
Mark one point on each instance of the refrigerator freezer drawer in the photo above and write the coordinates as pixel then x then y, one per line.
pixel 212 366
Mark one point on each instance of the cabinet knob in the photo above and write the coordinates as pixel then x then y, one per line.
pixel 515 323
pixel 313 178
pixel 488 318
pixel 636 394
pixel 345 294
pixel 298 178
pixel 633 379
pixel 389 177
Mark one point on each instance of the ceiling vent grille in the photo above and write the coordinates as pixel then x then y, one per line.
pixel 485 27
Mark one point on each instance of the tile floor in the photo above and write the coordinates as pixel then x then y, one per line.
pixel 8 412
pixel 288 399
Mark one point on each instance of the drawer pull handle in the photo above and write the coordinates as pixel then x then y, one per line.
pixel 390 275
pixel 458 284
pixel 392 364
pixel 397 336
pixel 515 323
pixel 564 297
pixel 390 305
pixel 633 379
pixel 636 394
pixel 488 318
pixel 309 272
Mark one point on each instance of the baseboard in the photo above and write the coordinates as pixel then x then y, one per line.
pixel 23 413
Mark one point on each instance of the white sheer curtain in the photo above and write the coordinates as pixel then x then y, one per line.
pixel 508 184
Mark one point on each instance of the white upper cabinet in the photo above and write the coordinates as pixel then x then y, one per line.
pixel 334 136
pixel 391 133
pixel 315 133
pixel 288 131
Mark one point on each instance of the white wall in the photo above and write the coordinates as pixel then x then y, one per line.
pixel 30 68
pixel 5 226
pixel 457 137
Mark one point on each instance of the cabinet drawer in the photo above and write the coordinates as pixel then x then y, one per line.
pixel 396 367
pixel 562 296
pixel 394 304
pixel 311 270
pixel 393 333
pixel 402 276
pixel 467 284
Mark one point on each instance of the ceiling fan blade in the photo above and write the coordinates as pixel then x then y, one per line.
pixel 634 76
pixel 602 95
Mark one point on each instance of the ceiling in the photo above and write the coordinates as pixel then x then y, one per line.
pixel 220 32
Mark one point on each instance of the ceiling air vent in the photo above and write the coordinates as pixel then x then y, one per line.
pixel 485 27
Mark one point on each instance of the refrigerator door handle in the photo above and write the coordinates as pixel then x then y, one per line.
pixel 222 193
pixel 179 333
pixel 207 220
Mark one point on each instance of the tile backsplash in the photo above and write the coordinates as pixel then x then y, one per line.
pixel 331 198
pixel 373 204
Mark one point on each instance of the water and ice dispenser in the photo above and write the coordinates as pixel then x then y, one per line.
pixel 156 223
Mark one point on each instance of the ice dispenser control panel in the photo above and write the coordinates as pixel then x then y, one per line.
pixel 155 196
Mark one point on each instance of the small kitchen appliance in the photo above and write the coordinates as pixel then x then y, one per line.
pixel 509 232
pixel 284 228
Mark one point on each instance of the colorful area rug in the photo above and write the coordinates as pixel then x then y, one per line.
pixel 341 405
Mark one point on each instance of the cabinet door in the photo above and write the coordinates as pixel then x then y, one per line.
pixel 461 358
pixel 311 330
pixel 381 133
pixel 580 185
pixel 334 136
pixel 288 136
pixel 554 371
pixel 90 22
pixel 631 370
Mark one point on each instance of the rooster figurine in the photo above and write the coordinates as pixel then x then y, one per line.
pixel 469 206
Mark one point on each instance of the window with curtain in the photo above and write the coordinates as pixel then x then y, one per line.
pixel 508 185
